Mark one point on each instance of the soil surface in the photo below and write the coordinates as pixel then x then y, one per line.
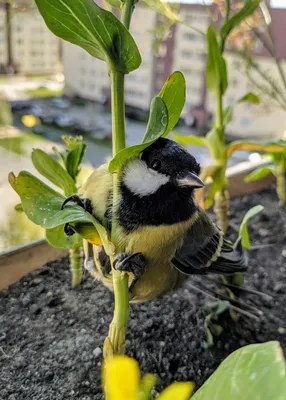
pixel 51 336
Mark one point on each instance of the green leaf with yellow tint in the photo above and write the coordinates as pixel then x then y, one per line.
pixel 253 372
pixel 57 238
pixel 157 125
pixel 266 146
pixel 185 140
pixel 216 67
pixel 243 230
pixel 53 171
pixel 94 29
pixel 259 173
pixel 174 95
pixel 43 205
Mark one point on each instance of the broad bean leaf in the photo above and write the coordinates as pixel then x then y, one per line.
pixel 259 173
pixel 57 238
pixel 74 159
pixel 228 111
pixel 254 372
pixel 266 146
pixel 53 171
pixel 249 7
pixel 157 125
pixel 243 230
pixel 99 32
pixel 185 140
pixel 115 3
pixel 42 205
pixel 216 67
pixel 174 95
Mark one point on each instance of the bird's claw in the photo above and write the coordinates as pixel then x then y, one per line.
pixel 135 263
pixel 84 203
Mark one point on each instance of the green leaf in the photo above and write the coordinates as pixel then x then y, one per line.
pixel 216 72
pixel 228 111
pixel 266 146
pixel 158 120
pixel 96 30
pixel 217 307
pixel 243 230
pixel 57 238
pixel 254 372
pixel 43 205
pixel 190 139
pixel 259 173
pixel 157 125
pixel 174 95
pixel 248 9
pixel 74 159
pixel 53 171
pixel 115 3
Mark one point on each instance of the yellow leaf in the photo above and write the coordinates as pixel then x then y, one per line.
pixel 121 378
pixel 178 391
pixel 29 121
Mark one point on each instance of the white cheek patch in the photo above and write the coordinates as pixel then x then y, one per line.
pixel 141 180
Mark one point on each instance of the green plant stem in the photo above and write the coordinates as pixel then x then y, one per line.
pixel 281 182
pixel 219 115
pixel 75 256
pixel 127 11
pixel 115 342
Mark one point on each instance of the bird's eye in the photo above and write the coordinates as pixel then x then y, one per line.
pixel 156 165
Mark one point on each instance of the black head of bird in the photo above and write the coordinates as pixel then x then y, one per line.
pixel 164 165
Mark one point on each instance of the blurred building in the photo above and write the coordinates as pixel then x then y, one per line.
pixel 3 45
pixel 182 49
pixel 34 49
pixel 87 77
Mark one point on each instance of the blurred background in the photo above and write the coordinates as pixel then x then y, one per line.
pixel 50 88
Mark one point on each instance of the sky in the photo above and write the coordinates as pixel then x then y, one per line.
pixel 275 3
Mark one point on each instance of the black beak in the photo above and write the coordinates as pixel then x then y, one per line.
pixel 190 179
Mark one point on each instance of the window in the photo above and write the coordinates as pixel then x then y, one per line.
pixel 245 122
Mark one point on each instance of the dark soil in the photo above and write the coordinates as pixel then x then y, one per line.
pixel 51 336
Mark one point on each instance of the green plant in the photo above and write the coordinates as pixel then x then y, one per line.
pixel 101 34
pixel 278 169
pixel 63 173
pixel 217 82
pixel 257 371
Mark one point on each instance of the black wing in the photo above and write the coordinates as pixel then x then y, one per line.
pixel 205 250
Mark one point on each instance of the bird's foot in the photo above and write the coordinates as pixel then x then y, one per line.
pixel 84 203
pixel 135 263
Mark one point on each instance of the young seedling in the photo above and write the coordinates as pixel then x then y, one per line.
pixel 217 82
pixel 278 169
pixel 63 173
pixel 101 34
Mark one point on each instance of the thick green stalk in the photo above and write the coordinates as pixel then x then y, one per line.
pixel 75 255
pixel 115 342
pixel 281 182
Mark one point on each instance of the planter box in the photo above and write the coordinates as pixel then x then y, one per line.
pixel 18 262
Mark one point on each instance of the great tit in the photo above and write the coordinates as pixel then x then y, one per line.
pixel 165 234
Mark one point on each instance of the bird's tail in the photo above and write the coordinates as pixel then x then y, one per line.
pixel 231 260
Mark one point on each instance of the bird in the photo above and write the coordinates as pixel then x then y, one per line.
pixel 165 234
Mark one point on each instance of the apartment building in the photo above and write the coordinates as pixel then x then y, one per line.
pixel 35 50
pixel 183 49
pixel 88 77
